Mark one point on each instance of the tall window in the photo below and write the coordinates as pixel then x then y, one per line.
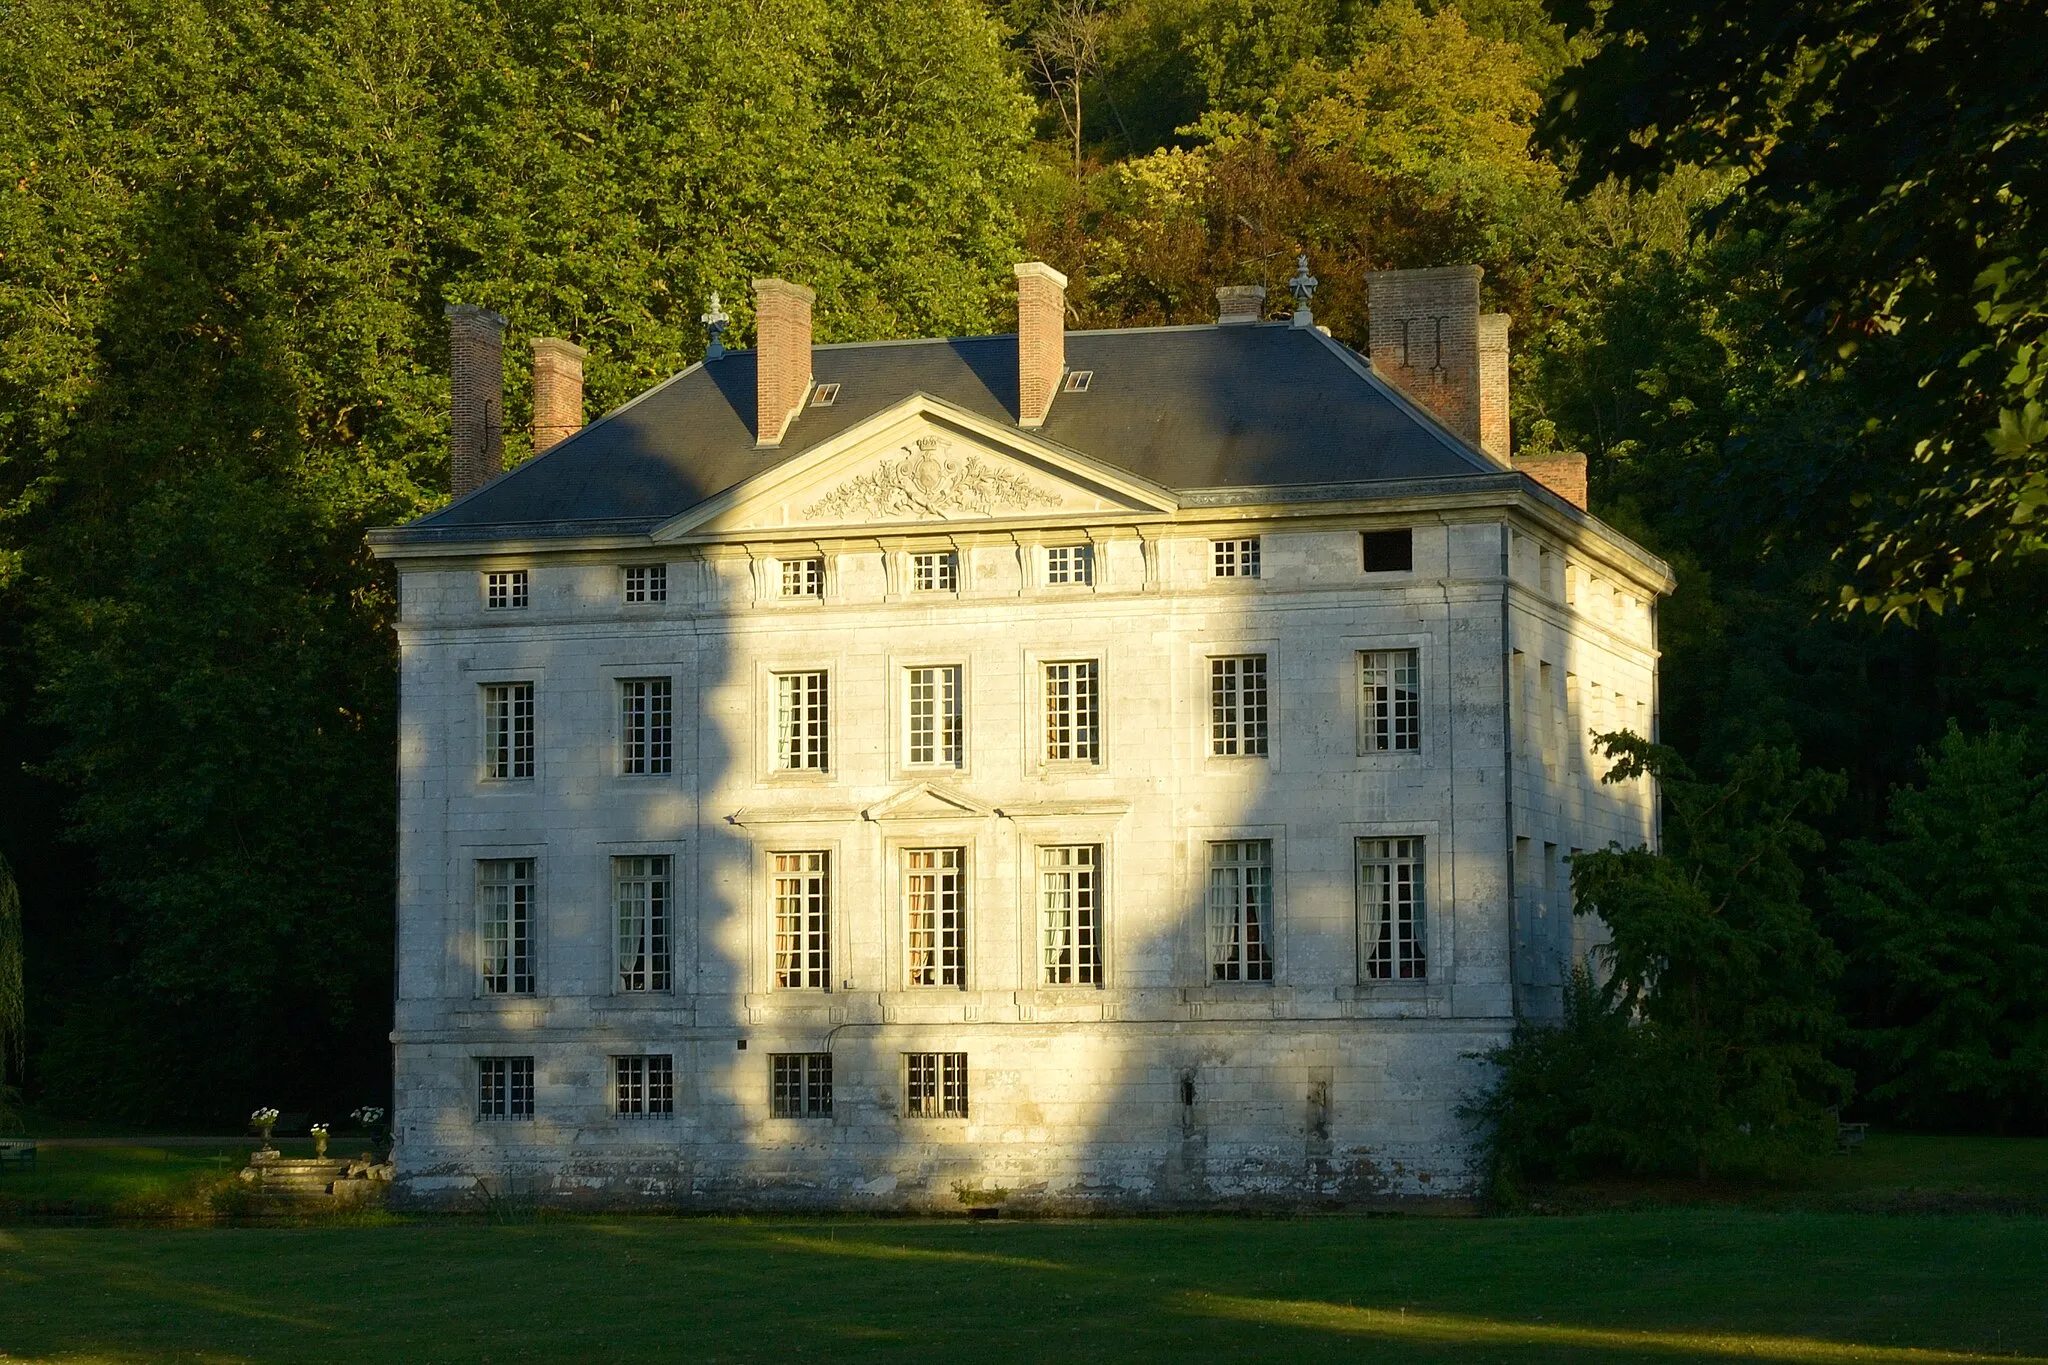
pixel 508 730
pixel 1391 715
pixel 644 1087
pixel 1391 927
pixel 1241 910
pixel 1069 879
pixel 505 590
pixel 803 922
pixel 935 719
pixel 935 571
pixel 803 577
pixel 1235 558
pixel 1072 718
pixel 935 1085
pixel 647 728
pixel 642 890
pixel 504 895
pixel 1237 705
pixel 647 583
pixel 1069 564
pixel 800 1085
pixel 934 917
pixel 801 721
pixel 504 1087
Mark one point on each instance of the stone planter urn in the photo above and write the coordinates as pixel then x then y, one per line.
pixel 263 1120
pixel 319 1142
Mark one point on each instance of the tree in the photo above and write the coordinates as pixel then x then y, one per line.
pixel 13 1000
pixel 1066 54
pixel 1946 926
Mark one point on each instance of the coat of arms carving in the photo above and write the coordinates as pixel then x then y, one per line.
pixel 927 482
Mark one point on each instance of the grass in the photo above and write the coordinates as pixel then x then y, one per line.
pixel 132 1182
pixel 1701 1284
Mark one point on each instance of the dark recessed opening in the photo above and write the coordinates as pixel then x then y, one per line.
pixel 743 1045
pixel 1187 1092
pixel 1389 551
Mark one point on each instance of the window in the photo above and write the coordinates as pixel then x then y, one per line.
pixel 644 1087
pixel 1241 910
pixel 1069 565
pixel 643 890
pixel 1391 719
pixel 935 730
pixel 934 917
pixel 647 583
pixel 1069 876
pixel 646 726
pixel 1072 720
pixel 503 591
pixel 800 1085
pixel 1237 705
pixel 1391 914
pixel 1237 558
pixel 801 732
pixel 825 395
pixel 1079 380
pixel 504 1087
pixel 504 894
pixel 1389 551
pixel 508 730
pixel 803 578
pixel 935 571
pixel 935 1085
pixel 803 922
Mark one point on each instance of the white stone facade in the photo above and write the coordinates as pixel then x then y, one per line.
pixel 1532 626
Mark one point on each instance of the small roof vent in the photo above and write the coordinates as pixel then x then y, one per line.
pixel 1079 380
pixel 825 395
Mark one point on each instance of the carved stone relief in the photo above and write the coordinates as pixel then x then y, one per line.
pixel 927 482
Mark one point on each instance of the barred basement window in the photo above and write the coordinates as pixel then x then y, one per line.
pixel 504 906
pixel 803 578
pixel 1241 910
pixel 803 922
pixel 646 726
pixel 503 591
pixel 1069 880
pixel 800 1085
pixel 1067 565
pixel 935 1085
pixel 935 571
pixel 801 722
pixel 1237 705
pixel 647 583
pixel 1072 720
pixel 1391 910
pixel 643 890
pixel 644 1087
pixel 1390 718
pixel 934 917
pixel 935 729
pixel 508 730
pixel 504 1087
pixel 1236 558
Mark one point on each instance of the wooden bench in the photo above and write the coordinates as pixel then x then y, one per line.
pixel 1850 1136
pixel 15 1152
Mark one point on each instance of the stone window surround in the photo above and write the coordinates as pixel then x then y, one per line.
pixel 927 834
pixel 681 928
pixel 896 725
pixel 1438 917
pixel 1035 658
pixel 1036 831
pixel 1194 893
pixel 1427 671
pixel 765 710
pixel 682 718
pixel 899 578
pixel 766 566
pixel 794 837
pixel 465 876
pixel 1193 711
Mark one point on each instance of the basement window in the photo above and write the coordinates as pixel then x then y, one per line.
pixel 1079 380
pixel 800 1085
pixel 935 1085
pixel 1389 551
pixel 644 1087
pixel 825 395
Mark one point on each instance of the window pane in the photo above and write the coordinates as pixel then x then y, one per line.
pixel 1392 918
pixel 935 727
pixel 935 1084
pixel 800 1085
pixel 935 917
pixel 803 922
pixel 1068 880
pixel 1071 717
pixel 505 925
pixel 647 726
pixel 1391 700
pixel 801 720
pixel 508 730
pixel 1241 910
pixel 641 889
pixel 803 578
pixel 1237 706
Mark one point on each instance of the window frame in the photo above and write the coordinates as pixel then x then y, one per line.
pixel 1239 704
pixel 800 1086
pixel 517 589
pixel 1401 963
pixel 1042 729
pixel 956 974
pixel 818 941
pixel 653 587
pixel 519 984
pixel 653 1088
pixel 659 724
pixel 491 747
pixel 781 579
pixel 1245 558
pixel 776 751
pixel 662 924
pixel 510 1092
pixel 1213 970
pixel 1365 712
pixel 947 565
pixel 946 1081
pixel 1091 974
pixel 1080 553
pixel 905 715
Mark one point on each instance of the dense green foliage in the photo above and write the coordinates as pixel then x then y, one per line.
pixel 1704 1046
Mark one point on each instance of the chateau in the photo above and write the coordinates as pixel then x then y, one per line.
pixel 1072 769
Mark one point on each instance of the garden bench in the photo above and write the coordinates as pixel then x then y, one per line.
pixel 14 1152
pixel 1850 1136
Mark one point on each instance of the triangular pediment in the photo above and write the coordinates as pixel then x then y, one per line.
pixel 927 801
pixel 927 464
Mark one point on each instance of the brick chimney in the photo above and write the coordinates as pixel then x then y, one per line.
pixel 476 360
pixel 1041 339
pixel 1493 385
pixel 557 391
pixel 1423 328
pixel 782 357
pixel 1237 303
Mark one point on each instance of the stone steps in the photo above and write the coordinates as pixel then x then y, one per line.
pixel 306 1180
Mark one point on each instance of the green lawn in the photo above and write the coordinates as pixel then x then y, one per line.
pixel 139 1181
pixel 1668 1285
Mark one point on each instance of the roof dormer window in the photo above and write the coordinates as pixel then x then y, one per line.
pixel 1079 380
pixel 825 395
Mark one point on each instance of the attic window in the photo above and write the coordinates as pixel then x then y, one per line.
pixel 1079 380
pixel 825 395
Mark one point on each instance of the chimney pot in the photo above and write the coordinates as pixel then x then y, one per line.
pixel 1041 340
pixel 557 391
pixel 1240 303
pixel 782 357
pixel 476 362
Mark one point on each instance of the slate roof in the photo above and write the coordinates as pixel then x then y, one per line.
pixel 1264 405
